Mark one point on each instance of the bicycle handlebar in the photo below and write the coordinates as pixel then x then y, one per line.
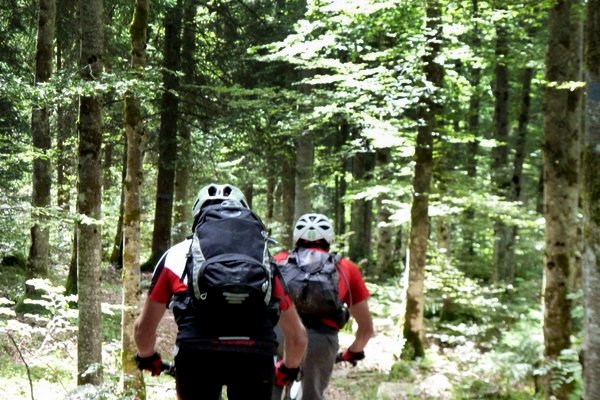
pixel 168 368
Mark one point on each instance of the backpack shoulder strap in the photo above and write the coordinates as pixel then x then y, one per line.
pixel 341 273
pixel 188 261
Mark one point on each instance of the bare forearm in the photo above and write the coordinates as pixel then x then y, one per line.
pixel 295 339
pixel 145 342
pixel 365 330
pixel 144 328
pixel 294 352
pixel 362 337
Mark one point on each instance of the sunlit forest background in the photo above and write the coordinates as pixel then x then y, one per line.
pixel 455 145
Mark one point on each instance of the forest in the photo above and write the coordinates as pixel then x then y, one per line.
pixel 454 144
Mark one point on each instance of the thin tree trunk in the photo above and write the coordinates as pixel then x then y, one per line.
pixel 361 210
pixel 271 183
pixel 414 329
pixel 304 166
pixel 288 178
pixel 591 208
pixel 182 214
pixel 37 262
pixel 561 151
pixel 132 378
pixel 503 250
pixel 340 180
pixel 167 137
pixel 385 246
pixel 473 125
pixel 116 257
pixel 89 188
pixel 517 176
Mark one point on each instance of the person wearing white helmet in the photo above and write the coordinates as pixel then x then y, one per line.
pixel 206 359
pixel 313 235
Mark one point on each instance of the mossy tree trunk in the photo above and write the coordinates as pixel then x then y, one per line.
pixel 133 381
pixel 414 328
pixel 89 188
pixel 561 153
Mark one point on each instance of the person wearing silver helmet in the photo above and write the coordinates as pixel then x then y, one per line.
pixel 206 359
pixel 313 235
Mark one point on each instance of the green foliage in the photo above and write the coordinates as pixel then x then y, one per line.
pixel 564 370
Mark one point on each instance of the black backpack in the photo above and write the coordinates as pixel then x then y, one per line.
pixel 312 279
pixel 229 268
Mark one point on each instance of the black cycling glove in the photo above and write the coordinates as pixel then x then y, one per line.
pixel 284 375
pixel 350 356
pixel 152 363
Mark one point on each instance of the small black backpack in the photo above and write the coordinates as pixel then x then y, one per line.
pixel 312 279
pixel 229 268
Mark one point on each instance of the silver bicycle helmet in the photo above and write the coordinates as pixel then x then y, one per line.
pixel 313 227
pixel 213 192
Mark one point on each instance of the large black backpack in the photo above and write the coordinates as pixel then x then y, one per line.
pixel 229 268
pixel 312 279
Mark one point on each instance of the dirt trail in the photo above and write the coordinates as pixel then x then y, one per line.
pixel 379 353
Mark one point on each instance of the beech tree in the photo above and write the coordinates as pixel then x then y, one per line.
pixel 561 152
pixel 414 328
pixel 136 138
pixel 89 188
pixel 37 263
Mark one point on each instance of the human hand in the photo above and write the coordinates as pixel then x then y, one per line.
pixel 153 363
pixel 350 356
pixel 284 375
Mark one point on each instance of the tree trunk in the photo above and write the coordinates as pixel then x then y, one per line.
pixel 37 262
pixel 89 246
pixel 591 208
pixel 66 112
pixel 414 329
pixel 385 245
pixel 561 151
pixel 167 137
pixel 288 178
pixel 340 180
pixel 116 257
pixel 520 143
pixel 503 247
pixel 270 195
pixel 133 381
pixel 304 166
pixel 361 210
pixel 473 126
pixel 182 213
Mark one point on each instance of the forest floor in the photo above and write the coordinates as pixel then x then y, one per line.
pixel 52 361
pixel 380 358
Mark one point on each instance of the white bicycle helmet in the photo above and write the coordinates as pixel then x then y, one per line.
pixel 313 227
pixel 212 192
